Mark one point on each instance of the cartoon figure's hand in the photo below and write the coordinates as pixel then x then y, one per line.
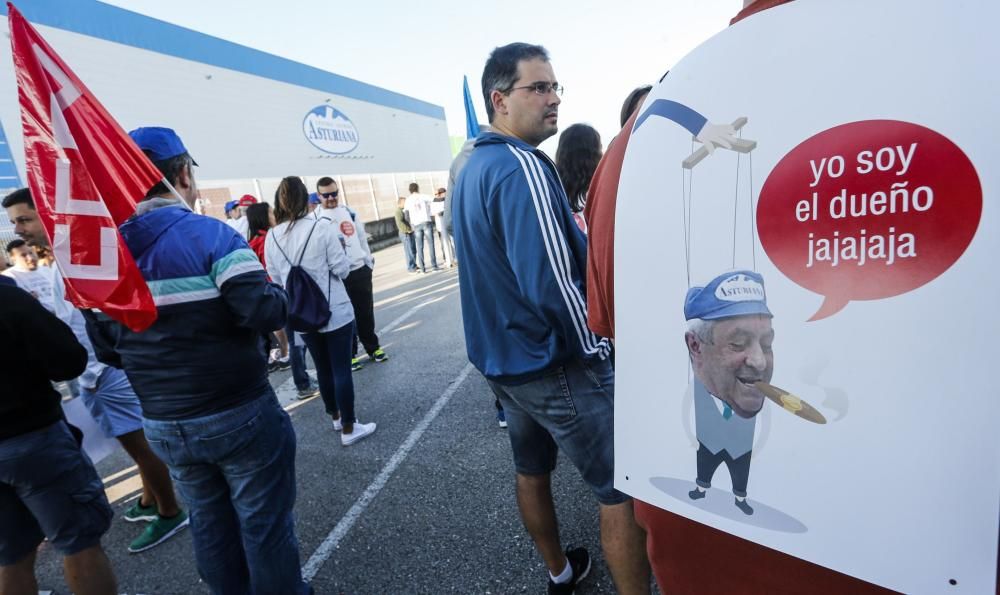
pixel 716 135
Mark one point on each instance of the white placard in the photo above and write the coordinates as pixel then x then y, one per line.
pixel 847 104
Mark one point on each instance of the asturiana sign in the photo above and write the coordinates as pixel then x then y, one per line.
pixel 329 130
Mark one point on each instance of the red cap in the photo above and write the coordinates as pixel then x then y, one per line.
pixel 246 200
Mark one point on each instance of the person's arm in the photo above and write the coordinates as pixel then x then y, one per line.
pixel 359 228
pixel 47 341
pixel 254 302
pixel 533 221
pixel 336 259
pixel 272 256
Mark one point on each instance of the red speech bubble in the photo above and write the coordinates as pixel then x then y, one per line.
pixel 869 210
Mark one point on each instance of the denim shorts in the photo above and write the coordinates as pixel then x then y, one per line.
pixel 571 408
pixel 48 487
pixel 113 404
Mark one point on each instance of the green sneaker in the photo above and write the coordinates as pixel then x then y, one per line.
pixel 138 513
pixel 158 531
pixel 380 355
pixel 356 364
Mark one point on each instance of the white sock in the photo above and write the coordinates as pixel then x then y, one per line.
pixel 565 576
pixel 741 498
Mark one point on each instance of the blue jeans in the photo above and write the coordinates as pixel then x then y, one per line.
pixel 409 247
pixel 297 357
pixel 425 230
pixel 331 353
pixel 236 471
pixel 570 409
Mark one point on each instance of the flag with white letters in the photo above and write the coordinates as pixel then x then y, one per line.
pixel 85 176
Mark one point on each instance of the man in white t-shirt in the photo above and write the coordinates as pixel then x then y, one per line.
pixel 418 207
pixel 437 211
pixel 27 273
pixel 235 218
pixel 351 232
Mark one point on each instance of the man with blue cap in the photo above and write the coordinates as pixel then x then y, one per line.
pixel 729 342
pixel 215 421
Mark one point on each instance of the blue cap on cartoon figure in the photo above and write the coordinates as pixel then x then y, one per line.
pixel 736 293
pixel 314 198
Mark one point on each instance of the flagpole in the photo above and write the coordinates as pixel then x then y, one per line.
pixel 175 193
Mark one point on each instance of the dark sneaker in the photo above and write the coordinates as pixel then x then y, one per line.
pixel 138 513
pixel 742 505
pixel 696 494
pixel 579 561
pixel 307 393
pixel 159 531
pixel 283 363
pixel 356 364
pixel 380 356
pixel 501 418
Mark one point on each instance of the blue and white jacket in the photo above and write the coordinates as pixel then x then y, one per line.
pixel 203 354
pixel 523 264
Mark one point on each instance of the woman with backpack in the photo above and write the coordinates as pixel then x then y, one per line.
pixel 305 256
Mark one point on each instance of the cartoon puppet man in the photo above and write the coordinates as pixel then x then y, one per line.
pixel 729 341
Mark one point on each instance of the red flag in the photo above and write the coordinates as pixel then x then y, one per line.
pixel 85 175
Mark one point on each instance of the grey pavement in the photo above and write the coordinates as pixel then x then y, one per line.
pixel 403 511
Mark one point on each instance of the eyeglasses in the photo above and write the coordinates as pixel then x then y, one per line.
pixel 541 88
pixel 330 194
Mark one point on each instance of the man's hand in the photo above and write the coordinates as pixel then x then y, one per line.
pixel 716 135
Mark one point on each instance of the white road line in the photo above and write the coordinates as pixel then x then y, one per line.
pixel 326 549
pixel 405 315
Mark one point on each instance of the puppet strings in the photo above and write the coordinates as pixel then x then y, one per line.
pixel 753 215
pixel 686 192
pixel 736 202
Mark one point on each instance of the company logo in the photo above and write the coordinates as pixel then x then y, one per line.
pixel 329 130
pixel 740 288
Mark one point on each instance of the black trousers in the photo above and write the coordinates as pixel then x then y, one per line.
pixel 359 288
pixel 739 469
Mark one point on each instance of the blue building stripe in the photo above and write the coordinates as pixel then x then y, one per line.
pixel 110 23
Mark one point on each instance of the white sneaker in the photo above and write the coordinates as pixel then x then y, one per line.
pixel 338 426
pixel 360 432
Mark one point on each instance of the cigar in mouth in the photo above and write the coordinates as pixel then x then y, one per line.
pixel 790 402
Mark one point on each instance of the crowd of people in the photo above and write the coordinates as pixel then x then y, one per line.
pixel 534 235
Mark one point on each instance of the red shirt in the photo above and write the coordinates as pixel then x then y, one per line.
pixel 686 556
pixel 257 245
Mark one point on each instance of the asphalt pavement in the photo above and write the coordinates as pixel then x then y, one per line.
pixel 426 505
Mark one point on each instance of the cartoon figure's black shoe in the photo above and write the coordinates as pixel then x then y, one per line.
pixel 742 505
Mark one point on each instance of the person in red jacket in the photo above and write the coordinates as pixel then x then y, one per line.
pixel 260 219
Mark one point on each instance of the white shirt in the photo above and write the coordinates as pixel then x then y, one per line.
pixel 437 208
pixel 418 207
pixel 241 225
pixel 351 229
pixel 73 318
pixel 38 283
pixel 324 256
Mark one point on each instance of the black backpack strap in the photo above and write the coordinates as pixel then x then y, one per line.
pixel 282 250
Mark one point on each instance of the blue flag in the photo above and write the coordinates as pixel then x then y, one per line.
pixel 471 122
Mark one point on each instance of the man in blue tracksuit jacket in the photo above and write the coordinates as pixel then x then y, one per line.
pixel 525 314
pixel 201 377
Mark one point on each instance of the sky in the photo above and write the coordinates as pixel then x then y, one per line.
pixel 599 50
